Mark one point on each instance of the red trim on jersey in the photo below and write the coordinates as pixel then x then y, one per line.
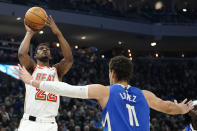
pixel 52 97
pixel 44 66
pixel 40 95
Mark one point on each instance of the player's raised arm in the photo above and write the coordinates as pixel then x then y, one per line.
pixel 65 64
pixel 23 50
pixel 167 107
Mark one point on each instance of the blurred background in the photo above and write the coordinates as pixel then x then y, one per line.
pixel 159 36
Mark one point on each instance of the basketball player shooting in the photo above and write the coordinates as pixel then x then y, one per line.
pixel 41 108
pixel 125 108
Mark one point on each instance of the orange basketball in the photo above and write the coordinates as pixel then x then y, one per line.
pixel 35 18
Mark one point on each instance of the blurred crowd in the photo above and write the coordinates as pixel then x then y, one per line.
pixel 141 10
pixel 168 79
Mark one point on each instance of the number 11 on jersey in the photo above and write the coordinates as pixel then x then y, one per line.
pixel 132 115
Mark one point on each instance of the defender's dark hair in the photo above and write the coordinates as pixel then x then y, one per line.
pixel 122 66
pixel 42 44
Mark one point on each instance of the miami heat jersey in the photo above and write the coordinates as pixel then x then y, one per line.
pixel 126 110
pixel 39 103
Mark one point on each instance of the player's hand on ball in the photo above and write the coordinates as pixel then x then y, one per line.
pixel 185 107
pixel 29 30
pixel 23 74
pixel 50 22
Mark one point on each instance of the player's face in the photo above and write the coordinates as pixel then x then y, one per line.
pixel 43 53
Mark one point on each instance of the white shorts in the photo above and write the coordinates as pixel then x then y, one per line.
pixel 39 124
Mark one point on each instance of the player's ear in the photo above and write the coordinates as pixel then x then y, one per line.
pixel 113 74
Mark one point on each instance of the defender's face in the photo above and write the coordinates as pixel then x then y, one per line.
pixel 43 52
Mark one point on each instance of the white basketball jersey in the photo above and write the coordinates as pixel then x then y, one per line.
pixel 39 103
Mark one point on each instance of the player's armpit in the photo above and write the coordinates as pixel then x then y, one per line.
pixel 63 67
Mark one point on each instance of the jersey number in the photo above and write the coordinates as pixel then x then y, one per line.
pixel 40 95
pixel 132 115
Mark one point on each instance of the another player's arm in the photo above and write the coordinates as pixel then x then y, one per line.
pixel 65 64
pixel 23 50
pixel 94 91
pixel 167 107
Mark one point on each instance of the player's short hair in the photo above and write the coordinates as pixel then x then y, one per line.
pixel 42 44
pixel 122 66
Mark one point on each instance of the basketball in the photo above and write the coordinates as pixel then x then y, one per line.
pixel 35 18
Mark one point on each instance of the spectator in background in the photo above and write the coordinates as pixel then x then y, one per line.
pixel 86 128
pixel 4 114
pixel 77 128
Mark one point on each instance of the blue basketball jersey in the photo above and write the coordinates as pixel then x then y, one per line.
pixel 189 128
pixel 126 110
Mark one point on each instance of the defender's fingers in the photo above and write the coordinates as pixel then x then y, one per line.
pixel 190 102
pixel 184 101
pixel 50 17
pixel 20 68
pixel 16 74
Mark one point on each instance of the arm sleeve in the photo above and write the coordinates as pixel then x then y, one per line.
pixel 64 89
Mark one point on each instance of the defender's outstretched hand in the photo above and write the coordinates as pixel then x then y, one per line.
pixel 23 74
pixel 50 22
pixel 185 107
